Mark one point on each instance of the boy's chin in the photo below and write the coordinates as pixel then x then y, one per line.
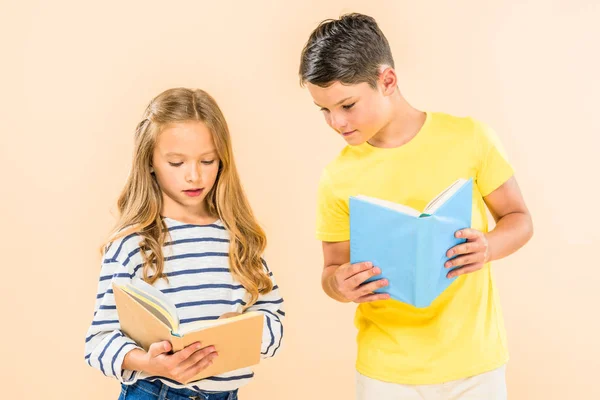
pixel 355 140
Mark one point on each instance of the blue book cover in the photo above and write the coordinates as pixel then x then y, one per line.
pixel 409 245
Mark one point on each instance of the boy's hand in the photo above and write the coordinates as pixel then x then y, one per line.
pixel 471 256
pixel 348 280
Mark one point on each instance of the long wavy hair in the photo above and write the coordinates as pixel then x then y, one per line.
pixel 140 202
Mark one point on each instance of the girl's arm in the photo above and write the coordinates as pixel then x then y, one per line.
pixel 105 345
pixel 271 305
pixel 112 352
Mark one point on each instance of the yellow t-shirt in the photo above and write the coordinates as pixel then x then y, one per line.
pixel 462 333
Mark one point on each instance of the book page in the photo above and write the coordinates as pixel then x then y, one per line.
pixel 391 205
pixel 154 301
pixel 137 322
pixel 153 308
pixel 442 197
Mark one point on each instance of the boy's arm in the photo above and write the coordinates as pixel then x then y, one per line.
pixel 343 281
pixel 514 228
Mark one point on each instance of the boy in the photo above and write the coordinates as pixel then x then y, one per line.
pixel 455 348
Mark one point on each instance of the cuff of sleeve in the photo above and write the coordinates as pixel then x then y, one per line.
pixel 333 237
pixel 489 187
pixel 125 376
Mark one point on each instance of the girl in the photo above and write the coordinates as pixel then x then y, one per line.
pixel 186 227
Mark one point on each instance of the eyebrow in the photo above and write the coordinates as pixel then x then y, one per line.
pixel 183 155
pixel 336 104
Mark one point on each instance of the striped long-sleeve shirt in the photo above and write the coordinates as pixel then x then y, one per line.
pixel 201 286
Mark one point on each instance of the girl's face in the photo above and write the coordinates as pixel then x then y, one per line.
pixel 185 164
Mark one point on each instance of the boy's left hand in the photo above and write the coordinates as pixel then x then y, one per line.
pixel 471 255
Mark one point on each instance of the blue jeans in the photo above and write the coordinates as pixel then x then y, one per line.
pixel 156 390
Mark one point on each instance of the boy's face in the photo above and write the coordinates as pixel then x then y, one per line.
pixel 356 112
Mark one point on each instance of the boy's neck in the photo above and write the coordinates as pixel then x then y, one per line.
pixel 404 124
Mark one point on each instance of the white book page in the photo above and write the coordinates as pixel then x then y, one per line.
pixel 444 196
pixel 391 205
pixel 155 295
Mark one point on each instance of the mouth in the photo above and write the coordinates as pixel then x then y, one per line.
pixel 193 192
pixel 346 134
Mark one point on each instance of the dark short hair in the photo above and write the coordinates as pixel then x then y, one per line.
pixel 349 49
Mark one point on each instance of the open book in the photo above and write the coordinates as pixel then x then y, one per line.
pixel 147 316
pixel 409 245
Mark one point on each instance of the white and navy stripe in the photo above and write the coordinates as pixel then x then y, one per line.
pixel 201 287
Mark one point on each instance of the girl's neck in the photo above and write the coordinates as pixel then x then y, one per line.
pixel 194 217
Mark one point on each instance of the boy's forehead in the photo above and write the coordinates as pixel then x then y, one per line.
pixel 335 93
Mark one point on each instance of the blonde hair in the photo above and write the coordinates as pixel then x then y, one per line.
pixel 140 202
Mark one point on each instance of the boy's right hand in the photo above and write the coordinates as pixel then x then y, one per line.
pixel 180 366
pixel 348 280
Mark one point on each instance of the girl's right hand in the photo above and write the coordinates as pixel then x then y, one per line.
pixel 180 366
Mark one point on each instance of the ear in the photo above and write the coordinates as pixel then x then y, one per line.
pixel 388 81
pixel 151 169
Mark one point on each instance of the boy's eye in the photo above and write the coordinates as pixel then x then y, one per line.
pixel 324 109
pixel 208 162
pixel 348 106
pixel 175 164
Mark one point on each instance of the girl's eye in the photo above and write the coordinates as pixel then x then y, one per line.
pixel 175 164
pixel 208 162
pixel 349 106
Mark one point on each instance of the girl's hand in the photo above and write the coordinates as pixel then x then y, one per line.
pixel 180 366
pixel 472 255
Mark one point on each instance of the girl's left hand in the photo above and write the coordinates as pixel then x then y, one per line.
pixel 472 255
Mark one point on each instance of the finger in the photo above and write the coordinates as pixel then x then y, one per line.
pixel 465 248
pixel 196 357
pixel 185 353
pixel 458 261
pixel 465 270
pixel 370 287
pixel 468 233
pixel 159 348
pixel 199 366
pixel 465 260
pixel 355 281
pixel 352 269
pixel 372 297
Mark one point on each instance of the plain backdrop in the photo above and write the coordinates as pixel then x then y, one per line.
pixel 77 75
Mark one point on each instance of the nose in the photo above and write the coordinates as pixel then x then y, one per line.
pixel 337 122
pixel 193 173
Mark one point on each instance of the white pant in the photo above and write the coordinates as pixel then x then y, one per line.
pixel 487 386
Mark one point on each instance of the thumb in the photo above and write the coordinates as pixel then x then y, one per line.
pixel 159 348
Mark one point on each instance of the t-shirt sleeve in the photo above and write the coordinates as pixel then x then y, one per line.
pixel 494 168
pixel 333 222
